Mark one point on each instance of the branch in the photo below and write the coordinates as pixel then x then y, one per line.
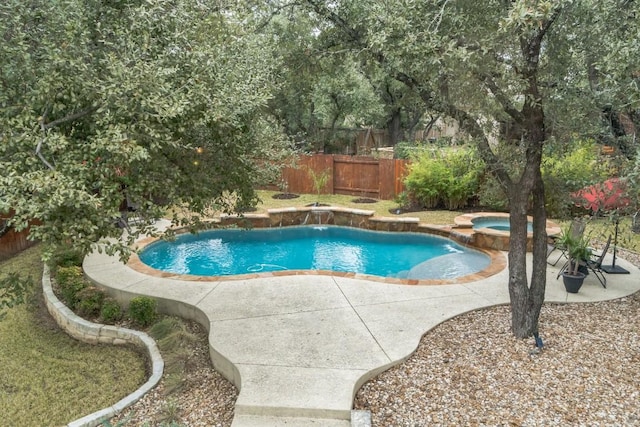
pixel 471 126
pixel 531 48
pixel 275 12
pixel 467 122
pixel 323 10
pixel 44 134
pixel 439 20
pixel 75 116
pixel 46 126
pixel 502 98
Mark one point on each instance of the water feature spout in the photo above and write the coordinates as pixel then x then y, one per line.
pixel 461 237
pixel 319 213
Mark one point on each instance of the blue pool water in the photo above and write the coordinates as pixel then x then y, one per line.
pixel 500 224
pixel 342 249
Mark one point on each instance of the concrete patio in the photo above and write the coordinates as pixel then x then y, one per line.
pixel 299 347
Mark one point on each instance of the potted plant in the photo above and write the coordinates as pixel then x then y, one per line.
pixel 578 251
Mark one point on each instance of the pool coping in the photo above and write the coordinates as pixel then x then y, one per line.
pixel 466 221
pixel 486 237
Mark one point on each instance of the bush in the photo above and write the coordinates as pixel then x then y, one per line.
pixel 143 310
pixel 465 168
pixel 407 150
pixel 111 311
pixel 70 281
pixel 568 169
pixel 66 258
pixel 426 181
pixel 90 301
pixel 446 177
pixel 491 195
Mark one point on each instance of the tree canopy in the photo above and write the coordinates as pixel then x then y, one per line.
pixel 155 102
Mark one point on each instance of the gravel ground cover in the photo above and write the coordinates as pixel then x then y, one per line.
pixel 470 371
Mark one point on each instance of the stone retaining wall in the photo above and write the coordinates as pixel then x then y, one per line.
pixel 94 333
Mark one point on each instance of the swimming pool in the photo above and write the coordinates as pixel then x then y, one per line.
pixel 225 252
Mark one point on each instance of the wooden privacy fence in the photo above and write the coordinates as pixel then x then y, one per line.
pixel 350 175
pixel 12 241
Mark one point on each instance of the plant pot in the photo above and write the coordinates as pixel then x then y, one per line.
pixel 583 269
pixel 573 283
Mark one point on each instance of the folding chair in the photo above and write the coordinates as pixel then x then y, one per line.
pixel 595 264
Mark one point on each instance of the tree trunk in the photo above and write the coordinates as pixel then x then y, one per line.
pixel 527 296
pixel 394 127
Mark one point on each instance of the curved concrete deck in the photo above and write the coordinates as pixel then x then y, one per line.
pixel 299 347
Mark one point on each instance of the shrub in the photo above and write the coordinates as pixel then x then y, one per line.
pixel 111 311
pixel 90 301
pixel 70 281
pixel 446 177
pixel 66 258
pixel 427 179
pixel 143 310
pixel 70 273
pixel 465 168
pixel 491 195
pixel 568 169
pixel 408 150
pixel 165 327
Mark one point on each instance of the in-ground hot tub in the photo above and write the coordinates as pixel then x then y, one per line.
pixel 491 229
pixel 496 223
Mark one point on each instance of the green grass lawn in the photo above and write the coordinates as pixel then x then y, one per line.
pixel 47 377
pixel 599 229
pixel 381 207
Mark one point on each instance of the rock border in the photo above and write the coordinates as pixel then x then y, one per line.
pixel 94 333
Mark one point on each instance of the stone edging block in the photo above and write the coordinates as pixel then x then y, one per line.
pixel 94 333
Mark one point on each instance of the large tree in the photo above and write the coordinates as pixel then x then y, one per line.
pixel 153 103
pixel 522 63
pixel 327 86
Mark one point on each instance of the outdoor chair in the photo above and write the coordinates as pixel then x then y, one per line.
pixel 576 229
pixel 130 213
pixel 595 264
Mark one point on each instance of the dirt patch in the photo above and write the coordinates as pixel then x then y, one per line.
pixel 364 200
pixel 400 211
pixel 285 196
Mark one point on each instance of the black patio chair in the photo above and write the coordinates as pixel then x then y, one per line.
pixel 595 264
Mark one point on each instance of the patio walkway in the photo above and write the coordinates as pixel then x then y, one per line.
pixel 299 347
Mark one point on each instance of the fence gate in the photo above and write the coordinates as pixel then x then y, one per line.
pixel 350 175
pixel 356 176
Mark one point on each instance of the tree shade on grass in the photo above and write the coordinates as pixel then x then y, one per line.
pixel 47 377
